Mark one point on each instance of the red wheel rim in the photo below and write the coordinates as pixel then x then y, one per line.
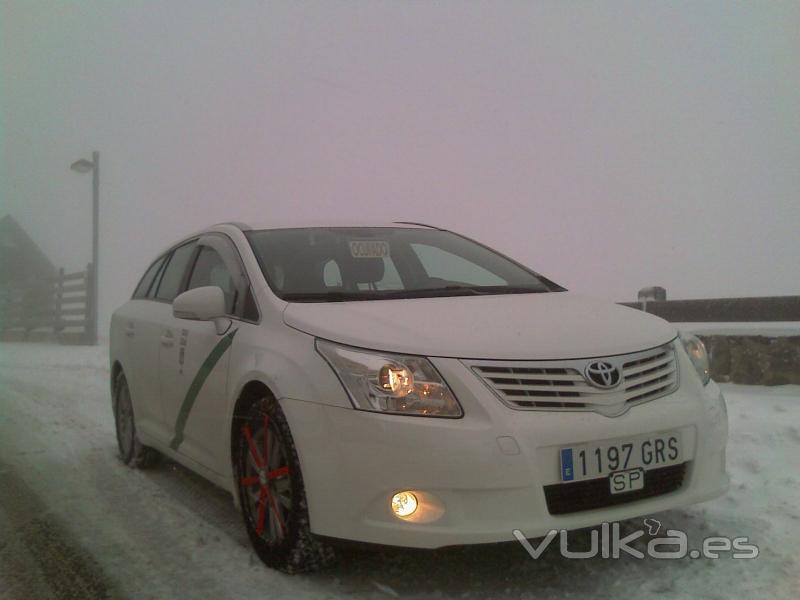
pixel 265 481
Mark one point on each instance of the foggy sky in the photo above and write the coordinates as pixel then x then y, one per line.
pixel 609 146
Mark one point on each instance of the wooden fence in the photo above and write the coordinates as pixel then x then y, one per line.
pixel 60 307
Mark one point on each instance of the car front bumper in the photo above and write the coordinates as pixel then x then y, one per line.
pixel 481 477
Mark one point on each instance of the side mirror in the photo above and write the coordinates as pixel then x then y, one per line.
pixel 205 303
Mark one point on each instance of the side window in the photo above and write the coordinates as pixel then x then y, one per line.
pixel 250 310
pixel 211 270
pixel 147 279
pixel 438 263
pixel 171 280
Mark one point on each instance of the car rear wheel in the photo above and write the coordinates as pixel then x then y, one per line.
pixel 272 492
pixel 132 452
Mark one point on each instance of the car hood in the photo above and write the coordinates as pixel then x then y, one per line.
pixel 557 325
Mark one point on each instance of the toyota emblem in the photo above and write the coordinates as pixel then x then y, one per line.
pixel 602 374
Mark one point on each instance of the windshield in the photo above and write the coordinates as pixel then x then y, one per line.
pixel 378 263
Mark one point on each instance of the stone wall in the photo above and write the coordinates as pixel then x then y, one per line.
pixel 724 310
pixel 760 357
pixel 754 359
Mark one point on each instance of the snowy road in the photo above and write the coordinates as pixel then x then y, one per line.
pixel 75 523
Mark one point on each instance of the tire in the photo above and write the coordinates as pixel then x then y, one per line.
pixel 132 452
pixel 273 497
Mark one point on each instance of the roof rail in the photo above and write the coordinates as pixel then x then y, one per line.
pixel 419 224
pixel 242 226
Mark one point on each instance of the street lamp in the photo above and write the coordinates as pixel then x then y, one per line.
pixel 85 166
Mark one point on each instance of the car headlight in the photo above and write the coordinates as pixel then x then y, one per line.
pixel 696 350
pixel 390 383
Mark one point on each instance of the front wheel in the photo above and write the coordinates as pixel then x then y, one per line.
pixel 272 493
pixel 132 452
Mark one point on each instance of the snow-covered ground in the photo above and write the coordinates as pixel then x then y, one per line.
pixel 76 523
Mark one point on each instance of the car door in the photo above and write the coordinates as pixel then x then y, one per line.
pixel 159 312
pixel 193 370
pixel 136 327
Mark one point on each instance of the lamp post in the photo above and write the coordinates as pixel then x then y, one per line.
pixel 85 166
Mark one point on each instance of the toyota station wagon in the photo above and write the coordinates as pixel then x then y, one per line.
pixel 402 384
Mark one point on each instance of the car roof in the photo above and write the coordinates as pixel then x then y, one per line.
pixel 293 224
pixel 322 223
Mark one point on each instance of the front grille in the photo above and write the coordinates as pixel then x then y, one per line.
pixel 565 498
pixel 561 385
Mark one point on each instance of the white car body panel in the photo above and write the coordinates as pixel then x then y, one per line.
pixel 354 460
pixel 559 325
pixel 359 459
pixel 135 332
pixel 203 440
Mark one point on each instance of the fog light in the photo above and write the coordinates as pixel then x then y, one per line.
pixel 404 504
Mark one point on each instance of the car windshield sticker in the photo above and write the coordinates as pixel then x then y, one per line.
pixel 369 249
pixel 197 384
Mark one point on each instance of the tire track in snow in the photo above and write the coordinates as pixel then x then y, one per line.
pixel 68 571
pixel 159 534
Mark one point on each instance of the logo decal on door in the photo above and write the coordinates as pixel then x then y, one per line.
pixel 197 384
pixel 182 349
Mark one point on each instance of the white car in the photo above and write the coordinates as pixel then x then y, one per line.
pixel 405 385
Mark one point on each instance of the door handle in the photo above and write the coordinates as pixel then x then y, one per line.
pixel 130 330
pixel 167 339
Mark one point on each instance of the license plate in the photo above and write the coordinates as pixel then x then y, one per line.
pixel 631 480
pixel 600 459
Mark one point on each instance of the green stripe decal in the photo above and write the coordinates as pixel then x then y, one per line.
pixel 197 384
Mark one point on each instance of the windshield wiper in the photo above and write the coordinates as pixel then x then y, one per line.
pixel 376 294
pixel 439 292
pixel 510 289
pixel 483 290
pixel 327 296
